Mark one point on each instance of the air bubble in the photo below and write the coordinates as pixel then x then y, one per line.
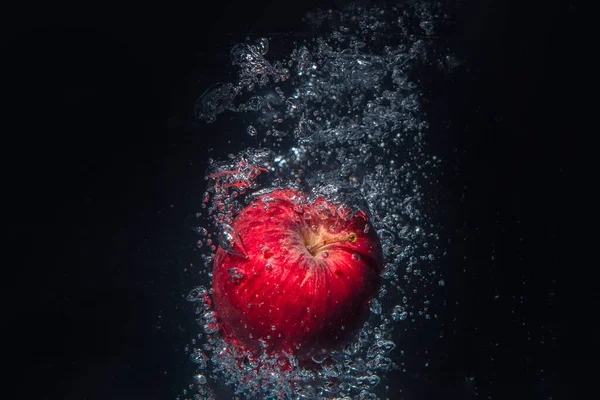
pixel 251 131
pixel 399 313
pixel 375 306
pixel 262 45
pixel 211 328
pixel 230 241
pixel 196 294
pixel 200 379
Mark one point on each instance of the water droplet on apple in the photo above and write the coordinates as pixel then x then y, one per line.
pixel 235 274
pixel 266 251
pixel 325 254
pixel 323 213
pixel 313 228
pixel 268 267
pixel 356 256
pixel 307 215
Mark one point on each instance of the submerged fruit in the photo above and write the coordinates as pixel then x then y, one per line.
pixel 295 276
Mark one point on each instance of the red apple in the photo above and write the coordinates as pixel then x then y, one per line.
pixel 297 275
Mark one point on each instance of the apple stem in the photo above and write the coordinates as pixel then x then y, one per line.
pixel 351 237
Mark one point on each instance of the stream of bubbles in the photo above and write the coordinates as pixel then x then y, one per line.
pixel 340 117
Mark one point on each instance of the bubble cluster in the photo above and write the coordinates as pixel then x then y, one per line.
pixel 339 117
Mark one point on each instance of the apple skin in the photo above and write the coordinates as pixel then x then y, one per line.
pixel 299 276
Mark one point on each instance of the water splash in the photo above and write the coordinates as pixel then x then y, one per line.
pixel 339 117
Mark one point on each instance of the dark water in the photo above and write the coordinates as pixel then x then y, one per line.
pixel 340 115
pixel 105 167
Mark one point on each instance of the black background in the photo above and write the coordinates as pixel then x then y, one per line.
pixel 102 167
